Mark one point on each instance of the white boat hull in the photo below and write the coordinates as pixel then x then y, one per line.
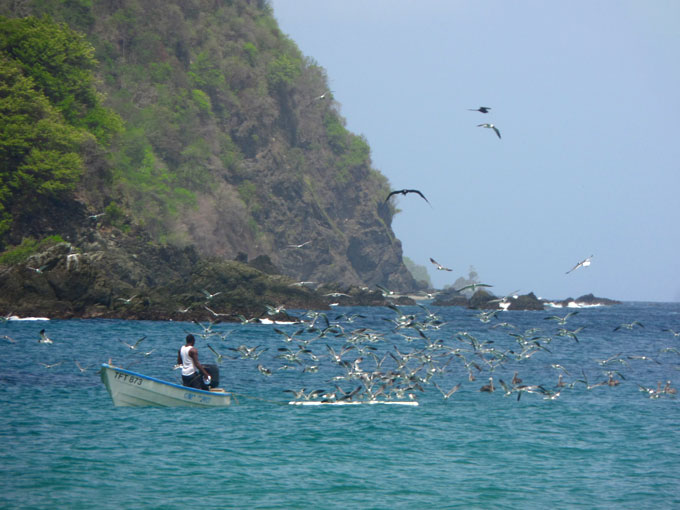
pixel 131 389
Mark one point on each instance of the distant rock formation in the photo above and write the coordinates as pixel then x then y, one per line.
pixel 483 299
pixel 449 297
pixel 585 300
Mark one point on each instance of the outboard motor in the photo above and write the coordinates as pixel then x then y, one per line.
pixel 214 372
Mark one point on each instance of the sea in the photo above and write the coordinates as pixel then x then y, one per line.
pixel 531 444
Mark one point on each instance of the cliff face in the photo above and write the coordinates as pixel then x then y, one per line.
pixel 232 142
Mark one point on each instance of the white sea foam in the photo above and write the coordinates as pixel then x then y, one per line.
pixel 269 321
pixel 573 304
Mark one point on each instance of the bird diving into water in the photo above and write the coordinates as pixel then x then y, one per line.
pixel 404 192
pixel 482 109
pixel 491 126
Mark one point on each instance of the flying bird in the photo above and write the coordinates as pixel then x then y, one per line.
pixel 473 287
pixel 208 295
pixel 299 245
pixel 491 126
pixel 482 109
pixel 439 266
pixel 584 263
pixel 628 326
pixel 218 357
pixel 560 320
pixel 80 367
pixel 447 394
pixel 328 95
pixel 38 270
pixel 44 339
pixel 51 365
pixel 135 345
pixel 264 370
pixel 404 192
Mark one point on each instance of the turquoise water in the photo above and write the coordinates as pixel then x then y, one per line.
pixel 66 446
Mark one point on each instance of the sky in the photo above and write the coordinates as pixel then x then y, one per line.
pixel 585 95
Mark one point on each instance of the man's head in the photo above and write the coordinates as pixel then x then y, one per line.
pixel 190 339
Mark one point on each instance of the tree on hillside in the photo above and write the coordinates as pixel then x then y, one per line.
pixel 60 62
pixel 38 150
pixel 48 110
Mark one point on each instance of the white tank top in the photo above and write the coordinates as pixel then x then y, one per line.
pixel 188 366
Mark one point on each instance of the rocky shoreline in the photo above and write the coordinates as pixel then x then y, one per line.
pixel 110 274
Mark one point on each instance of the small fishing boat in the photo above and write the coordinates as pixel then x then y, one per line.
pixel 136 390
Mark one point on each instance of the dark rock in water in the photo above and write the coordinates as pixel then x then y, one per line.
pixel 483 299
pixel 588 299
pixel 450 297
pixel 526 302
pixel 354 296
pixel 405 301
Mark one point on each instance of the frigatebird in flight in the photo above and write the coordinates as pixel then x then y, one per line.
pixel 404 192
pixel 483 109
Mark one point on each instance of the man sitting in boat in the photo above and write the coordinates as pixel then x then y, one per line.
pixel 191 367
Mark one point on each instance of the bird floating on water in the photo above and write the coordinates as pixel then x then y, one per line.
pixel 584 263
pixel 491 126
pixel 404 192
pixel 488 387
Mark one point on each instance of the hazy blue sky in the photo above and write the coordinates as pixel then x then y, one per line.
pixel 586 95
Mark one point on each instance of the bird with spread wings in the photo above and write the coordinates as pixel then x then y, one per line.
pixel 404 192
pixel 439 266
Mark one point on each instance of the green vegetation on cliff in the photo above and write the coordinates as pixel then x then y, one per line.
pixel 197 122
pixel 49 110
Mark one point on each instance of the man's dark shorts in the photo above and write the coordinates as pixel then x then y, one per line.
pixel 194 381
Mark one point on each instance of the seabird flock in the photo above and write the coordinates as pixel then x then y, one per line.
pixel 419 351
pixel 346 358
